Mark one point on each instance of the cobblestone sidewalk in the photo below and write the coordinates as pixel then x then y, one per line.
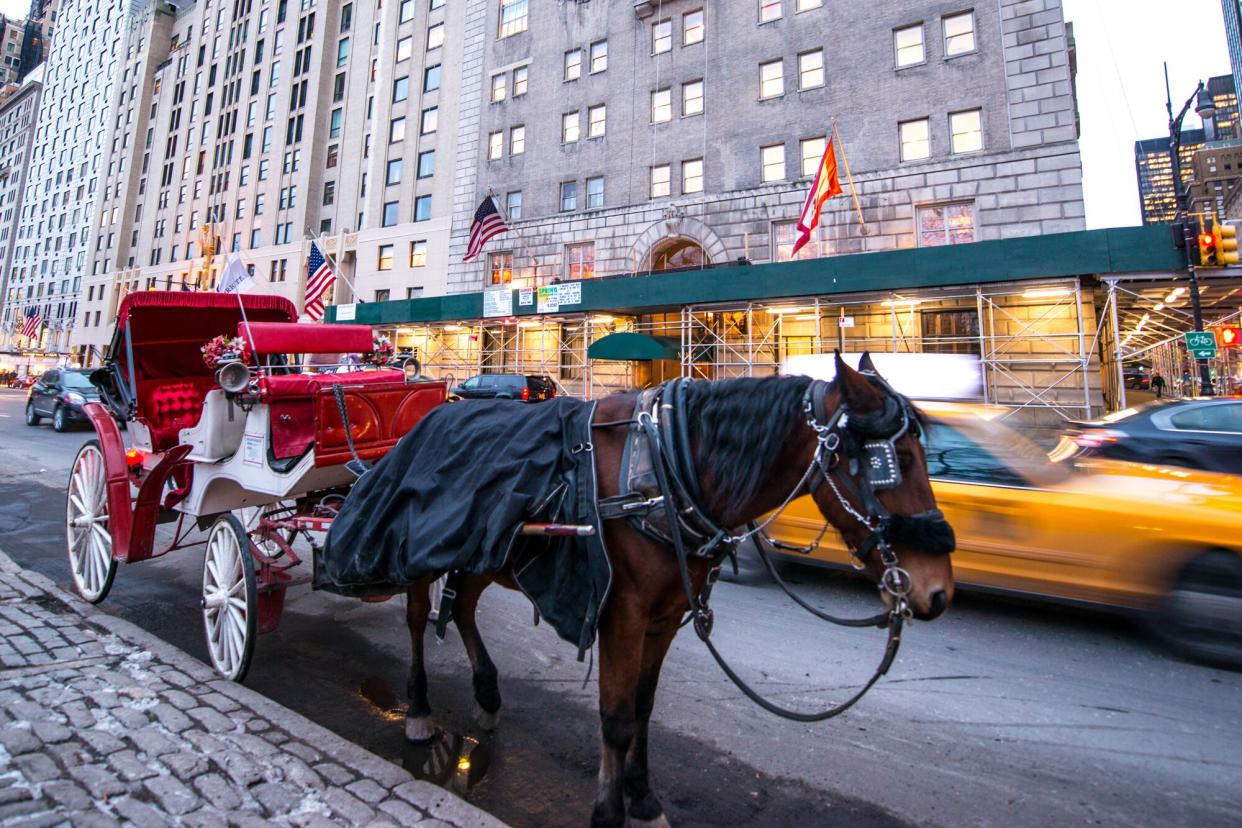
pixel 102 723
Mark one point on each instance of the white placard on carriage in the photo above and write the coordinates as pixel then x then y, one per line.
pixel 252 450
pixel 497 302
pixel 346 313
pixel 526 296
pixel 569 293
pixel 549 299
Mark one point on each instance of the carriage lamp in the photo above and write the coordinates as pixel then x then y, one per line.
pixel 413 369
pixel 133 458
pixel 233 376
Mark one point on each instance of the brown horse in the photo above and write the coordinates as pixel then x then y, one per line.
pixel 753 446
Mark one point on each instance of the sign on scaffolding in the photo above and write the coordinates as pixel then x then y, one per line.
pixel 1201 344
pixel 497 302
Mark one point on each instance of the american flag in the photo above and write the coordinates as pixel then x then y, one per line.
pixel 319 277
pixel 34 321
pixel 487 223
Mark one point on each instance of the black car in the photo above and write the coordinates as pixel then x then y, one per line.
pixel 60 394
pixel 525 387
pixel 1201 433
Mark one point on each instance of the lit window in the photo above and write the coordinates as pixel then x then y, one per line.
pixel 661 106
pixel 430 120
pixel 811 69
pixel 599 56
pixel 422 208
pixel 569 196
pixel 418 254
pixel 517 140
pixel 595 193
pixel 966 130
pixel 769 10
pixel 806 5
pixel 692 98
pixel 396 130
pixel 946 224
pixel 495 145
pixel 908 43
pixel 580 261
pixel 405 48
pixel 499 87
pixel 573 64
pixel 569 127
pixel 661 37
pixel 500 266
pixel 384 260
pixel 692 176
pixel 692 28
pixel 959 34
pixel 772 79
pixel 519 80
pixel 435 36
pixel 513 205
pixel 512 17
pixel 915 143
pixel 390 214
pixel 784 234
pixel 772 163
pixel 812 152
pixel 660 176
pixel 596 121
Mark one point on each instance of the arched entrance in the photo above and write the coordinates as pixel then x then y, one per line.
pixel 675 253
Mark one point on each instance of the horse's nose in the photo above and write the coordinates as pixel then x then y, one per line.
pixel 937 603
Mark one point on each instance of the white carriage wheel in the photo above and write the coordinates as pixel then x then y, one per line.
pixel 88 532
pixel 230 599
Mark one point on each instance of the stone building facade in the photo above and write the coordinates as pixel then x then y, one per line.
pixel 17 130
pixel 623 137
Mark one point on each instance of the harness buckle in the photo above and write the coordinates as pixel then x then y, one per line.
pixel 703 622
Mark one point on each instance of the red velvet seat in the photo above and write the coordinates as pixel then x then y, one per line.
pixel 294 338
pixel 169 405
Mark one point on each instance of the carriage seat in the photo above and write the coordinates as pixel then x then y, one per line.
pixel 219 430
pixel 295 338
pixel 291 400
pixel 171 404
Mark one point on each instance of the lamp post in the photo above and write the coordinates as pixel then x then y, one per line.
pixel 1205 109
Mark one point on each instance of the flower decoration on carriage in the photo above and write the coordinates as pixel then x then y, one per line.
pixel 223 348
pixel 381 354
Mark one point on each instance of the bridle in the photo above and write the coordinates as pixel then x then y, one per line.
pixel 854 451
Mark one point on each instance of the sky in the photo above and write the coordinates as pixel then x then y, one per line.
pixel 1122 45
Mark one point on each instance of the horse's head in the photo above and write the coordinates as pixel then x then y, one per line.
pixel 876 491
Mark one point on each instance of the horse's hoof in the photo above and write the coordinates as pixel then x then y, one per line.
pixel 659 822
pixel 419 729
pixel 486 721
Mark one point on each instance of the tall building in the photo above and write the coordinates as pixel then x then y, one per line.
pixel 1157 200
pixel 1233 36
pixel 66 166
pixel 18 116
pixel 1225 99
pixel 37 38
pixel 259 125
pixel 11 34
pixel 624 137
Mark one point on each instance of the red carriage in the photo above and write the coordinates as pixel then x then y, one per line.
pixel 253 451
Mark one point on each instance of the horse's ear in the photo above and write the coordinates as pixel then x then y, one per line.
pixel 854 386
pixel 865 363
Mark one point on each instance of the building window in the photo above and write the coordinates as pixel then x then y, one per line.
pixel 596 121
pixel 499 87
pixel 413 293
pixel 513 205
pixel 426 163
pixel 333 155
pixel 430 120
pixel 769 10
pixel 806 5
pixel 390 213
pixel 661 37
pixel 517 140
pixel 384 260
pixel 595 193
pixel 966 131
pixel 772 79
pixel 569 196
pixel 811 69
pixel 393 173
pixel 599 56
pixel 908 45
pixel 495 146
pixel 329 192
pixel 950 331
pixel 812 152
pixel 382 295
pixel 941 224
pixel 422 208
pixel 435 36
pixel 512 17
pixel 431 78
pixel 342 54
pixel 396 130
pixel 580 261
pixel 500 266
pixel 573 64
pixel 772 163
pixel 959 34
pixel 660 175
pixel 915 143
pixel 400 89
pixel 784 234
pixel 692 176
pixel 692 98
pixel 661 106
pixel 692 28
pixel 569 127
pixel 405 48
pixel 519 80
pixel 418 253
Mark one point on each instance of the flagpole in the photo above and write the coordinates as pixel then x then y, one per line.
pixel 862 222
pixel 336 267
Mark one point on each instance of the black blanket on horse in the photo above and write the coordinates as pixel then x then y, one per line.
pixel 452 494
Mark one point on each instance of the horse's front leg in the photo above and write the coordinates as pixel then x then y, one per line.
pixel 645 809
pixel 620 662
pixel 418 725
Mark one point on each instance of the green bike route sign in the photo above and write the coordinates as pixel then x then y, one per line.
pixel 1201 344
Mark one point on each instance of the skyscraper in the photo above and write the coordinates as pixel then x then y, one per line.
pixel 1233 34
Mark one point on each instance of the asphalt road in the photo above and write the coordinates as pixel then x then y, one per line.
pixel 998 714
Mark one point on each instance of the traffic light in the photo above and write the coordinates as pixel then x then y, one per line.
pixel 1225 237
pixel 1229 336
pixel 1207 244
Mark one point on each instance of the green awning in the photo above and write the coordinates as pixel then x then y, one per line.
pixel 634 346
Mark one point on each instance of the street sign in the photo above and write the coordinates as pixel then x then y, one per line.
pixel 1201 344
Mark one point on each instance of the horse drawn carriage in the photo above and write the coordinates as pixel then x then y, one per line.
pixel 251 451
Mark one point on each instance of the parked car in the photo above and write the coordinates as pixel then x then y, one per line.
pixel 1138 379
pixel 1202 433
pixel 60 394
pixel 1153 539
pixel 524 387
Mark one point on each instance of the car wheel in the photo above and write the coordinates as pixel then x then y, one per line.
pixel 1201 617
pixel 32 417
pixel 60 422
pixel 1176 460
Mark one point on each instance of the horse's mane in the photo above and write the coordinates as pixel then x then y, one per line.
pixel 741 426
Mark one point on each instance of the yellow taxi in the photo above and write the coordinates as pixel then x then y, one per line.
pixel 1163 540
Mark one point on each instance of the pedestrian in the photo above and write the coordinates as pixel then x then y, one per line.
pixel 1157 383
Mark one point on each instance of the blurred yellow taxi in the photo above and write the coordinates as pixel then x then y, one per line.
pixel 1163 540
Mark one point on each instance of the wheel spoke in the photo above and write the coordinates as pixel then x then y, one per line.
pixel 77 504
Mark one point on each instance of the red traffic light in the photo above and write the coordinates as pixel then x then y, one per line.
pixel 1206 239
pixel 1229 336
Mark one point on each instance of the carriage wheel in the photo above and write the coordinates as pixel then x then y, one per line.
pixel 230 600
pixel 87 529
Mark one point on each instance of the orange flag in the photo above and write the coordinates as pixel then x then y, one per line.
pixel 824 187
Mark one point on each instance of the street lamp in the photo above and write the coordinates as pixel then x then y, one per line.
pixel 1205 108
